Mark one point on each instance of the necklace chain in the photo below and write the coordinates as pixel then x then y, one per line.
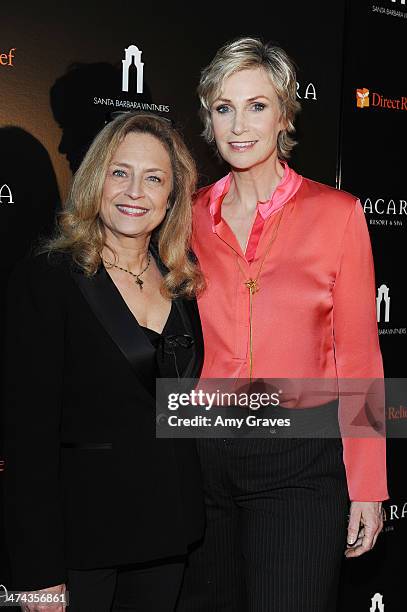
pixel 138 280
pixel 253 287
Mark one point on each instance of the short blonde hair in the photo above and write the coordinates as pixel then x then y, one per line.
pixel 80 229
pixel 242 54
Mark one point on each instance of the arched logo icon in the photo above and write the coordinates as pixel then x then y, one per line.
pixel 377 603
pixel 383 299
pixel 3 594
pixel 132 53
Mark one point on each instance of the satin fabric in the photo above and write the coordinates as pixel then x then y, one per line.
pixel 286 188
pixel 314 315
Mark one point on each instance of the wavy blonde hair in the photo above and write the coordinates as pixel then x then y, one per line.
pixel 242 54
pixel 81 231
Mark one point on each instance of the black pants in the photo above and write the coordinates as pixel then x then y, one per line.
pixel 147 587
pixel 277 521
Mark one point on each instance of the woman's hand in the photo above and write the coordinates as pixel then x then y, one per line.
pixel 48 600
pixel 365 524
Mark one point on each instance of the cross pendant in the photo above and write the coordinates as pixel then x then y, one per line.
pixel 139 282
pixel 252 285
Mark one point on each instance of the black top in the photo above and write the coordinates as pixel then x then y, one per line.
pixel 87 484
pixel 173 346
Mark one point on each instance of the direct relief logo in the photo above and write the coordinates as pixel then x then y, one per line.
pixel 6 59
pixel 362 98
pixel 366 98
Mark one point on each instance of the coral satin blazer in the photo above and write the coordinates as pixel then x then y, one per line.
pixel 314 315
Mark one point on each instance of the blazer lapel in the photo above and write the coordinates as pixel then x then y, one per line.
pixel 189 313
pixel 190 317
pixel 109 307
pixel 114 315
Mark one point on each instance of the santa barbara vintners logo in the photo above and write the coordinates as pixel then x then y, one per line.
pixel 6 197
pixel 7 57
pixel 377 604
pixel 392 8
pixel 132 54
pixel 383 304
pixel 383 315
pixel 373 99
pixel 133 82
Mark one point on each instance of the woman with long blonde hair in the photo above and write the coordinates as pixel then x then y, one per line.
pixel 95 505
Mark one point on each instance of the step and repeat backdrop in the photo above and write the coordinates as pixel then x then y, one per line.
pixel 372 164
pixel 65 69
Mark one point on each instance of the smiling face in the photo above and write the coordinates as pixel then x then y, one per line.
pixel 137 187
pixel 246 119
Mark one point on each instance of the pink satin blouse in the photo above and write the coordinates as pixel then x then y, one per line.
pixel 314 315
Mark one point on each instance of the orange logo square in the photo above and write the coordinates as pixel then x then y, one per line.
pixel 362 98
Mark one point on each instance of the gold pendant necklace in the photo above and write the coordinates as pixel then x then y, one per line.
pixel 138 280
pixel 253 287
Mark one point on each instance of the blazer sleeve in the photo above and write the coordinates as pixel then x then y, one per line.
pixel 34 351
pixel 358 356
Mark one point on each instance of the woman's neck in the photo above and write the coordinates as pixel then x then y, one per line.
pixel 257 184
pixel 131 253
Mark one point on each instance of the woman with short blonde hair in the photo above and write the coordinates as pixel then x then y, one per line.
pixel 251 53
pixel 290 295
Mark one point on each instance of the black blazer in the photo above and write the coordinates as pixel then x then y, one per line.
pixel 77 365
